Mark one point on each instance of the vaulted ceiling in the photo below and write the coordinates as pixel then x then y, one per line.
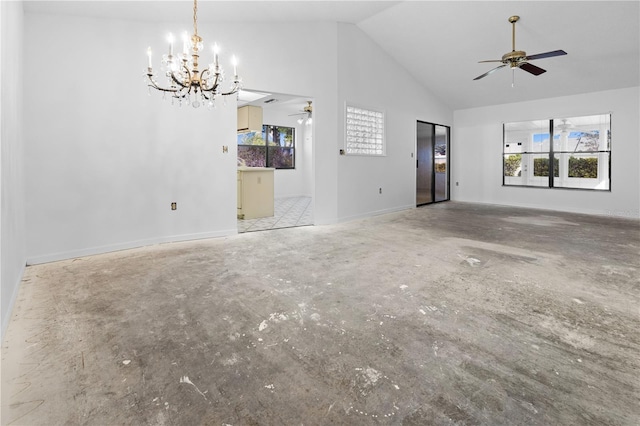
pixel 441 42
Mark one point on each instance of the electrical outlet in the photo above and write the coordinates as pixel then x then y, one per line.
pixel 380 191
pixel 457 184
pixel 225 149
pixel 174 206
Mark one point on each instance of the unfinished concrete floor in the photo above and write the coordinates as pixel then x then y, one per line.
pixel 448 314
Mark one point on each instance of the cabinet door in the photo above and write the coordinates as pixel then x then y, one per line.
pixel 249 119
pixel 243 119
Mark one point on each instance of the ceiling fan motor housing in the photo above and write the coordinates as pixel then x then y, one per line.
pixel 514 58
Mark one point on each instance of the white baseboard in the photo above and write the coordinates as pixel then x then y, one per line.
pixel 71 254
pixel 633 215
pixel 375 213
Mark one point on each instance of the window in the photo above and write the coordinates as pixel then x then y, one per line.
pixel 274 147
pixel 579 156
pixel 364 131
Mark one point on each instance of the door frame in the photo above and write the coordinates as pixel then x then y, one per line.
pixel 433 168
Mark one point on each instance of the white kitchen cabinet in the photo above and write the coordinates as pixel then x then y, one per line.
pixel 249 119
pixel 255 192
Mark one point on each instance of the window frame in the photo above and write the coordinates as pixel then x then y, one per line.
pixel 551 155
pixel 266 148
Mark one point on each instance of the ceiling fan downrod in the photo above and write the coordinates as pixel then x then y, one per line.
pixel 515 57
pixel 513 19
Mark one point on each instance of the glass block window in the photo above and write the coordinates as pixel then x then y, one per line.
pixel 364 131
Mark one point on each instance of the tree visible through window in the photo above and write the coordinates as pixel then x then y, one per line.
pixel 274 147
pixel 572 152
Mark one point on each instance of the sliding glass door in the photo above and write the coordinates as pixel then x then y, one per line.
pixel 432 163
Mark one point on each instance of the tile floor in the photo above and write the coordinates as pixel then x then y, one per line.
pixel 288 212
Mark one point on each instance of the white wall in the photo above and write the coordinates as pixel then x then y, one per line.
pixel 105 160
pixel 368 77
pixel 308 67
pixel 292 182
pixel 477 154
pixel 12 223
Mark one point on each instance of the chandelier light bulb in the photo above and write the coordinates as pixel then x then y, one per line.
pixel 170 39
pixel 216 51
pixel 185 44
pixel 234 62
pixel 185 79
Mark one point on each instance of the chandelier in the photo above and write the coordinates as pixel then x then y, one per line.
pixel 185 82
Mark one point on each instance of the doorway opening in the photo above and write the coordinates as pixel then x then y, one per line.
pixel 432 163
pixel 280 145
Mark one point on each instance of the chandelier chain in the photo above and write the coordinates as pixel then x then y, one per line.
pixel 195 17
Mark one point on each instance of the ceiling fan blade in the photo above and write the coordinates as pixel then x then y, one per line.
pixel 489 72
pixel 532 69
pixel 546 55
pixel 490 60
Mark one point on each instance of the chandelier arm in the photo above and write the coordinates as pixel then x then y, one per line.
pixel 181 83
pixel 203 79
pixel 162 89
pixel 234 89
pixel 216 82
pixel 182 93
pixel 155 85
pixel 214 85
pixel 189 76
pixel 177 81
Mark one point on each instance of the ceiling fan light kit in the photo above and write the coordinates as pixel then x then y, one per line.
pixel 519 58
pixel 306 114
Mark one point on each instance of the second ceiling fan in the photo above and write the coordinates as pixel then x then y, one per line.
pixel 519 58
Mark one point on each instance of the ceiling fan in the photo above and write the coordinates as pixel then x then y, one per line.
pixel 306 113
pixel 519 58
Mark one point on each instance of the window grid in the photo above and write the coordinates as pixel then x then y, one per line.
pixel 569 153
pixel 364 131
pixel 273 147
